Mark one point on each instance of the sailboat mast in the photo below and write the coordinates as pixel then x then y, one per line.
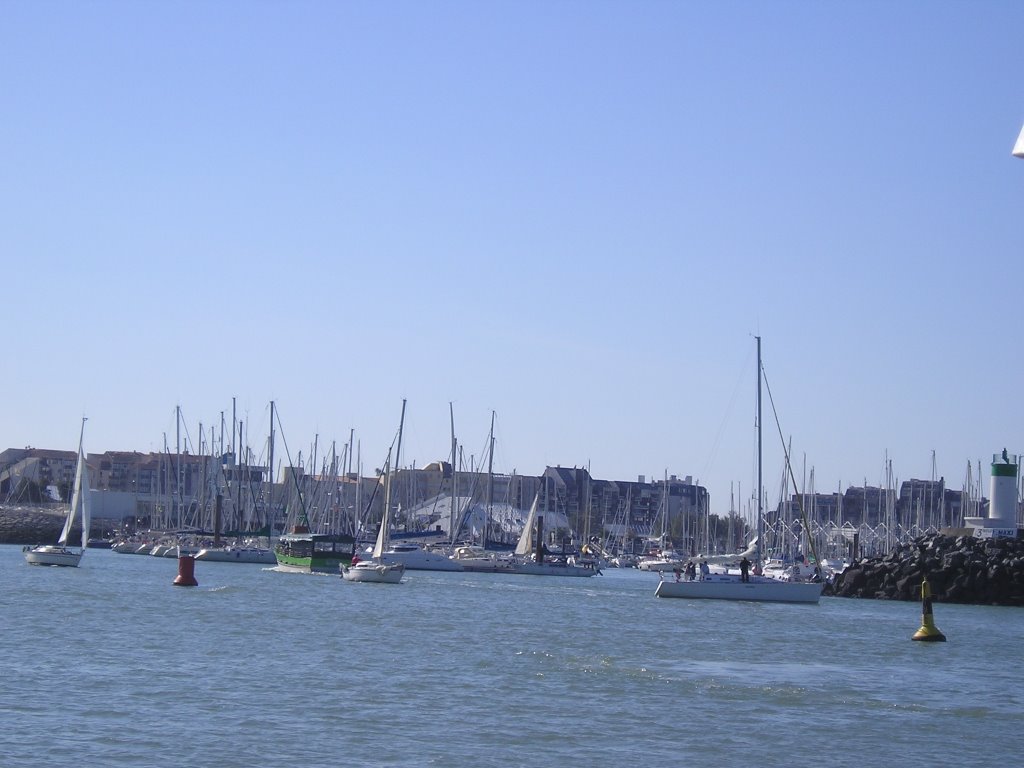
pixel 453 517
pixel 398 448
pixel 332 510
pixel 81 436
pixel 760 490
pixel 586 519
pixel 245 497
pixel 490 480
pixel 663 539
pixel 312 462
pixel 270 489
pixel 177 448
pixel 348 476
pixel 385 522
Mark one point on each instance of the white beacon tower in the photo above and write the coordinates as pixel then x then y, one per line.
pixel 1002 505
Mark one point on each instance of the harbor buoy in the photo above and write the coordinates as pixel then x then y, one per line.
pixel 928 630
pixel 186 572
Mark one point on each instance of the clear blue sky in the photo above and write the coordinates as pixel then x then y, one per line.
pixel 576 214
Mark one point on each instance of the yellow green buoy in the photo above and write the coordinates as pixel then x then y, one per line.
pixel 928 630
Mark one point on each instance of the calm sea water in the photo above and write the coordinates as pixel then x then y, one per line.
pixel 110 665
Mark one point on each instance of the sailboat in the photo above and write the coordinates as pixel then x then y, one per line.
pixel 376 569
pixel 536 564
pixel 59 554
pixel 239 552
pixel 734 586
pixel 665 559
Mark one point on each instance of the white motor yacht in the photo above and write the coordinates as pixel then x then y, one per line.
pixel 415 558
pixel 480 560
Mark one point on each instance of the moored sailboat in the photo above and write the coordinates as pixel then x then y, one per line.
pixel 60 554
pixel 533 560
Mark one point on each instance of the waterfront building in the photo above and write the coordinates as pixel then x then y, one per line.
pixel 36 475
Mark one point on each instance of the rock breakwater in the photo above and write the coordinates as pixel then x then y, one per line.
pixel 31 525
pixel 42 525
pixel 960 569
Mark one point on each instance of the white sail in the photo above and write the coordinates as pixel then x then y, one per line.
pixel 63 539
pixel 381 545
pixel 76 500
pixel 86 501
pixel 523 547
pixel 1018 148
pixel 384 534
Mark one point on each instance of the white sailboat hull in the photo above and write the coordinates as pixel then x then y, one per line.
pixel 238 555
pixel 487 565
pixel 415 558
pixel 731 587
pixel 480 560
pixel 416 564
pixel 49 554
pixel 373 572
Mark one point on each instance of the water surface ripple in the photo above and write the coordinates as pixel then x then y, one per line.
pixel 110 665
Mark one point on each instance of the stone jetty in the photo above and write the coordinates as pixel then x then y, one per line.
pixel 960 569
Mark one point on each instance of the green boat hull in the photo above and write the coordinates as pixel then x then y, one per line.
pixel 326 564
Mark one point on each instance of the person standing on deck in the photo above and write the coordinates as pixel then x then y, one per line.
pixel 744 569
